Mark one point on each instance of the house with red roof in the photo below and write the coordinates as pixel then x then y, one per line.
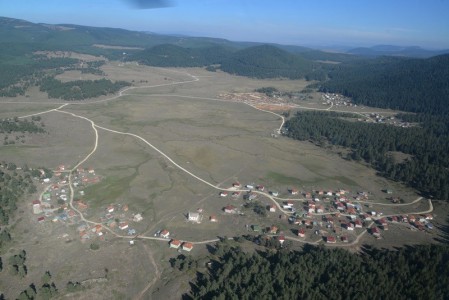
pixel 165 234
pixel 281 239
pixel 123 225
pixel 273 229
pixel 351 211
pixel 293 191
pixel 175 243
pixel 187 246
pixel 230 209
pixel 331 240
pixel 375 231
pixel 81 205
pixel 340 206
pixel 110 208
pixel 366 217
pixel 383 222
pixel 349 226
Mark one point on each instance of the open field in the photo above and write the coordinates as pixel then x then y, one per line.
pixel 197 134
pixel 76 75
pixel 116 47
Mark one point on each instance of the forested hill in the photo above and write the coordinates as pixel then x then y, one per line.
pixel 427 145
pixel 31 37
pixel 391 50
pixel 264 61
pixel 174 56
pixel 319 273
pixel 415 85
pixel 267 61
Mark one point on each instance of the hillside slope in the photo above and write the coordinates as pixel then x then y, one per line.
pixel 175 56
pixel 415 85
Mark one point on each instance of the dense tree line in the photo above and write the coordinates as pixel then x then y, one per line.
pixel 16 125
pixel 421 272
pixel 16 77
pixel 426 169
pixel 269 91
pixel 13 185
pixel 80 89
pixel 415 85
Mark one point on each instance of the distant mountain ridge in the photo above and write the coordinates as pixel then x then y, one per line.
pixel 392 50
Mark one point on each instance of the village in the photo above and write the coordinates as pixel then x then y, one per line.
pixel 319 216
pixel 259 100
pixel 333 217
pixel 330 216
pixel 53 207
pixel 336 100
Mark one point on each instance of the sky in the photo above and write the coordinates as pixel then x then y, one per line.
pixel 423 23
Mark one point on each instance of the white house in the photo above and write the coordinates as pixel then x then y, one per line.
pixel 194 217
pixel 137 218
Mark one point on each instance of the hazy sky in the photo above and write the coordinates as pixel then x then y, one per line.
pixel 300 22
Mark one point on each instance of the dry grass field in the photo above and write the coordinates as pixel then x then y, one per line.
pixel 219 141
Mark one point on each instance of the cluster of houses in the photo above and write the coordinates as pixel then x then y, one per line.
pixel 114 217
pixel 87 232
pixel 336 100
pixel 53 202
pixel 391 120
pixel 255 98
pixel 174 243
pixel 420 222
pixel 117 216
pixel 339 212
